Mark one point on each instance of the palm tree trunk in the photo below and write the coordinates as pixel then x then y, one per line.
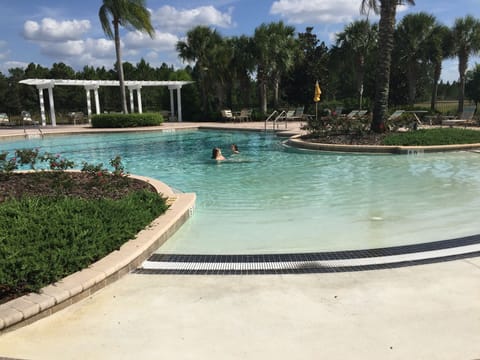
pixel 462 68
pixel 276 91
pixel 411 76
pixel 263 89
pixel 203 91
pixel 436 77
pixel 263 96
pixel 385 44
pixel 121 78
pixel 245 85
pixel 360 70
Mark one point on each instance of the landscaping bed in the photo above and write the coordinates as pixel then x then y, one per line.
pixel 423 137
pixel 54 223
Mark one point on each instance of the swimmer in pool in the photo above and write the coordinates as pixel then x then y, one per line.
pixel 217 154
pixel 234 148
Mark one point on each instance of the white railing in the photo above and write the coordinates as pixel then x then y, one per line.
pixel 270 117
pixel 282 115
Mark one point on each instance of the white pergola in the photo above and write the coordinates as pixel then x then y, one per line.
pixel 94 85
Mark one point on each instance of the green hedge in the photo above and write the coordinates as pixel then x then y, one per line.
pixel 126 120
pixel 43 239
pixel 429 137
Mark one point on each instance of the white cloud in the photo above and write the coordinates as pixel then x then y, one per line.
pixel 316 11
pixel 52 30
pixel 11 65
pixel 449 70
pixel 160 42
pixel 63 49
pixel 168 18
pixel 70 41
pixel 101 48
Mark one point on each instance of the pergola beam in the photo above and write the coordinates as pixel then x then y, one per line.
pixel 94 85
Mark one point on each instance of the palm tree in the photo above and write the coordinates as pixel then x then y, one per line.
pixel 131 14
pixel 275 47
pixel 283 48
pixel 386 28
pixel 202 47
pixel 243 65
pixel 357 40
pixel 413 36
pixel 466 35
pixel 439 48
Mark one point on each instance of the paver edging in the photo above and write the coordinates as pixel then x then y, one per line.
pixel 297 142
pixel 77 286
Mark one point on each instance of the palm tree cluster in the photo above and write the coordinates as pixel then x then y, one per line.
pixel 391 64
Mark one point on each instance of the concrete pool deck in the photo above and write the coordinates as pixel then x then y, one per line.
pixel 422 312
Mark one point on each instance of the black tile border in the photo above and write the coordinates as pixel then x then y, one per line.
pixel 298 258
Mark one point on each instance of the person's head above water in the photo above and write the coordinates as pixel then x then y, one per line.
pixel 217 154
pixel 234 148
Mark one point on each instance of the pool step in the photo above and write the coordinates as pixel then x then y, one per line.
pixel 321 262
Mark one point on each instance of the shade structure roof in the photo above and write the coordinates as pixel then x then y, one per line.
pixel 54 82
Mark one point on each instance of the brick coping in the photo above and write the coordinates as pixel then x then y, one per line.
pixel 297 142
pixel 77 286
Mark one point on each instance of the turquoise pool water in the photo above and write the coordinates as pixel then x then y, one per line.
pixel 272 199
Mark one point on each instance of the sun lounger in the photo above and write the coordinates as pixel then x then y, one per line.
pixel 466 118
pixel 4 120
pixel 245 115
pixel 227 115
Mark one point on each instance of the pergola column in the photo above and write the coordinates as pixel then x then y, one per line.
pixel 132 104
pixel 179 104
pixel 172 104
pixel 131 89
pixel 88 89
pixel 97 100
pixel 52 106
pixel 179 101
pixel 40 88
pixel 139 99
pixel 42 106
pixel 89 104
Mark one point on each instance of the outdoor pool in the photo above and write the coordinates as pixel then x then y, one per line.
pixel 274 199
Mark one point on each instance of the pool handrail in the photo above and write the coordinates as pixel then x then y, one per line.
pixel 269 118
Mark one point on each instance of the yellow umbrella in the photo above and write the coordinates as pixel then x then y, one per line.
pixel 318 92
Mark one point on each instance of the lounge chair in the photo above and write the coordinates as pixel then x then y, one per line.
pixel 245 115
pixel 27 118
pixel 295 115
pixel 355 114
pixel 227 115
pixel 465 118
pixel 396 115
pixel 4 120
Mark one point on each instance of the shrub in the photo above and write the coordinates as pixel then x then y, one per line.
pixel 337 125
pixel 428 137
pixel 126 120
pixel 37 250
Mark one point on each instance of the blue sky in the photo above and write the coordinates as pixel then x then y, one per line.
pixel 49 31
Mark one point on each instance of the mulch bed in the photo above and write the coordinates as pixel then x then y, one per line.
pixel 347 139
pixel 77 184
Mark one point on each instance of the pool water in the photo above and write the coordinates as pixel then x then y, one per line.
pixel 274 199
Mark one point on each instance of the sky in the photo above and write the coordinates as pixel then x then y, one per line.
pixel 52 31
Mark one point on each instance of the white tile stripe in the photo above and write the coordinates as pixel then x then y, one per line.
pixel 378 260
